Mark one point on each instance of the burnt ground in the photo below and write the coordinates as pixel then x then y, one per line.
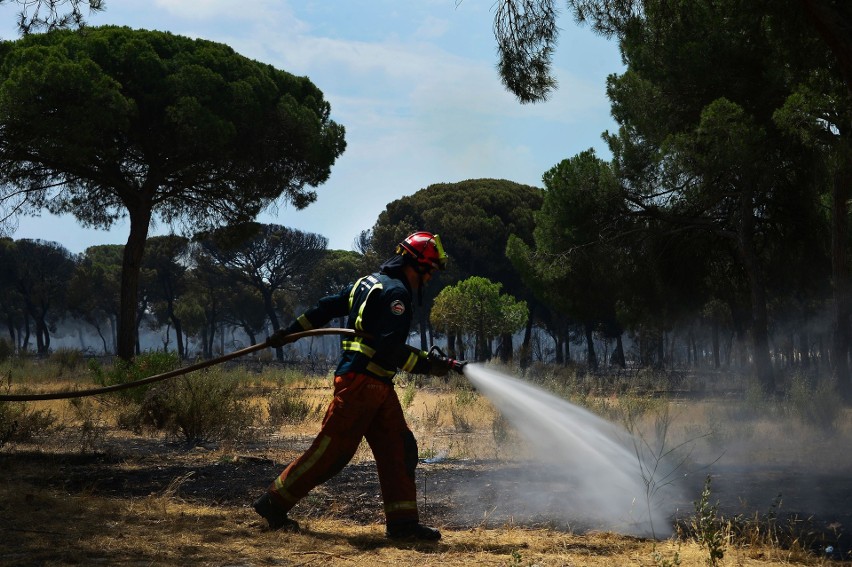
pixel 817 509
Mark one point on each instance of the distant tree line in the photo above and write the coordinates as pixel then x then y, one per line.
pixel 194 288
pixel 254 277
pixel 654 291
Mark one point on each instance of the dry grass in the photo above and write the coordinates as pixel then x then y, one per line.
pixel 47 526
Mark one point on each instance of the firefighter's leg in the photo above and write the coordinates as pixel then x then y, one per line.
pixel 395 450
pixel 345 423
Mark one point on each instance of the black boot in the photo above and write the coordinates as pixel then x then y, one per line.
pixel 412 531
pixel 274 514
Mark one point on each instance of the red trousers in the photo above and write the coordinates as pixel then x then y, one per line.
pixel 363 407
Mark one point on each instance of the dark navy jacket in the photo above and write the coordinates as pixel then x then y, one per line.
pixel 380 305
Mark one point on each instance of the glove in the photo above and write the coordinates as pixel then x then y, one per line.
pixel 441 364
pixel 279 338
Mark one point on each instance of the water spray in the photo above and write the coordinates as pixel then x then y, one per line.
pixel 583 467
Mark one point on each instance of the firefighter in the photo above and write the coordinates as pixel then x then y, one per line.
pixel 365 404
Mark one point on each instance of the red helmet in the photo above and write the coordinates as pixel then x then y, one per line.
pixel 424 250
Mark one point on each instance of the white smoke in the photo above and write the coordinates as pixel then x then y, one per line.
pixel 584 471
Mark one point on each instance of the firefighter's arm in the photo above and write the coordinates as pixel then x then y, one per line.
pixel 325 310
pixel 434 362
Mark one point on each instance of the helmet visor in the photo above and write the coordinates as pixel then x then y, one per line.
pixel 442 256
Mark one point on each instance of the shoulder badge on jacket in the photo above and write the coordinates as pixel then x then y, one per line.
pixel 397 307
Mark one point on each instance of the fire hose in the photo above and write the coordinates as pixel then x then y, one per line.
pixel 171 374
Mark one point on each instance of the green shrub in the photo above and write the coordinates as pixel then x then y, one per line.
pixel 92 427
pixel 817 405
pixel 408 394
pixel 287 405
pixel 66 359
pixel 143 366
pixel 203 406
pixel 501 430
pixel 20 423
pixel 708 527
pixel 6 350
pixel 465 397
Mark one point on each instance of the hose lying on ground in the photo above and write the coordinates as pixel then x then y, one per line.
pixel 171 374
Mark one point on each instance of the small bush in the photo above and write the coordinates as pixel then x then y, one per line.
pixel 130 416
pixel 21 423
pixel 465 397
pixel 91 430
pixel 501 430
pixel 6 350
pixel 432 417
pixel 708 527
pixel 203 406
pixel 460 421
pixel 287 405
pixel 66 359
pixel 143 366
pixel 408 394
pixel 817 405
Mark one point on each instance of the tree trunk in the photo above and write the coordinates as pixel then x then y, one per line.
pixel 460 346
pixel 178 330
pixel 141 309
pixel 424 345
pixel 204 341
pixel 506 347
pixel 591 357
pixel 805 349
pixel 759 318
pixel 113 332
pixel 617 357
pixel 829 21
pixel 717 361
pixel 140 219
pixel 46 340
pixel 11 328
pixel 841 193
pixel 526 350
pixel 269 306
pixel 39 338
pixel 567 342
pixel 25 344
pixel 103 338
pixel 481 349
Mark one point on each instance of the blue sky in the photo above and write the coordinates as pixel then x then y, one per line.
pixel 412 81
